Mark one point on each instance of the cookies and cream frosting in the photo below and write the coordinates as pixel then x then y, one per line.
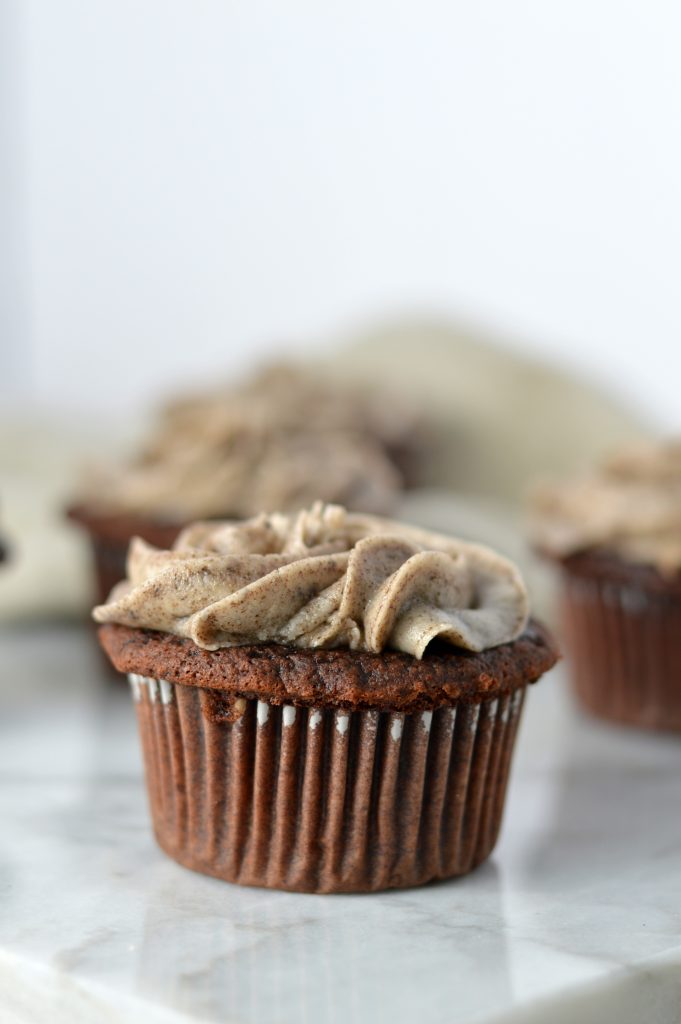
pixel 631 506
pixel 279 441
pixel 284 397
pixel 248 469
pixel 323 577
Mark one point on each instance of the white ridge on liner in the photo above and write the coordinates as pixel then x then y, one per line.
pixel 342 723
pixel 289 715
pixel 314 720
pixel 167 691
pixel 263 712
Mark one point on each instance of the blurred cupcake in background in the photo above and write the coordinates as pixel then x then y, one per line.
pixel 282 439
pixel 616 536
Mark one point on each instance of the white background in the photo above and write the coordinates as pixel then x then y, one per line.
pixel 185 185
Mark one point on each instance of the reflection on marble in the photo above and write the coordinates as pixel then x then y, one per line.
pixel 577 912
pixel 257 956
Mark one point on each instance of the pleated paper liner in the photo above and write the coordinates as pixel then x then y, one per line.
pixel 109 537
pixel 623 642
pixel 324 799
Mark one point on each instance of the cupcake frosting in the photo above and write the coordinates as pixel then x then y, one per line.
pixel 631 506
pixel 284 397
pixel 280 440
pixel 248 469
pixel 323 577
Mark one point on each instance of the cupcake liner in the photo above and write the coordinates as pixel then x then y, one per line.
pixel 624 645
pixel 108 557
pixel 109 536
pixel 323 799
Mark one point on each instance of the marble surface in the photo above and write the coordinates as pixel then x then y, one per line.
pixel 577 916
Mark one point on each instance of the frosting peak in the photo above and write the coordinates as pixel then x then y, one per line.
pixel 323 577
pixel 631 506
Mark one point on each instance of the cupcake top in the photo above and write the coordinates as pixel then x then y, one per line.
pixel 280 440
pixel 630 507
pixel 322 578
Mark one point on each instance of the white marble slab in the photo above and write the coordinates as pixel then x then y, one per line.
pixel 576 917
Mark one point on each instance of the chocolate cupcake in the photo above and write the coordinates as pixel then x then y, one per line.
pixel 281 440
pixel 616 537
pixel 327 702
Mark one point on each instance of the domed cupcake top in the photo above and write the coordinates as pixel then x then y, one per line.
pixel 631 507
pixel 323 577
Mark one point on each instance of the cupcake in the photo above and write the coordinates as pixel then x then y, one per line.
pixel 616 538
pixel 327 701
pixel 280 441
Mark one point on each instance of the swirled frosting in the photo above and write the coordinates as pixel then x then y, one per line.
pixel 283 397
pixel 321 578
pixel 250 469
pixel 631 506
pixel 279 441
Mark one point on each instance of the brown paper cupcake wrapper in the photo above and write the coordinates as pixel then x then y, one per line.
pixel 109 558
pixel 109 537
pixel 323 799
pixel 624 646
